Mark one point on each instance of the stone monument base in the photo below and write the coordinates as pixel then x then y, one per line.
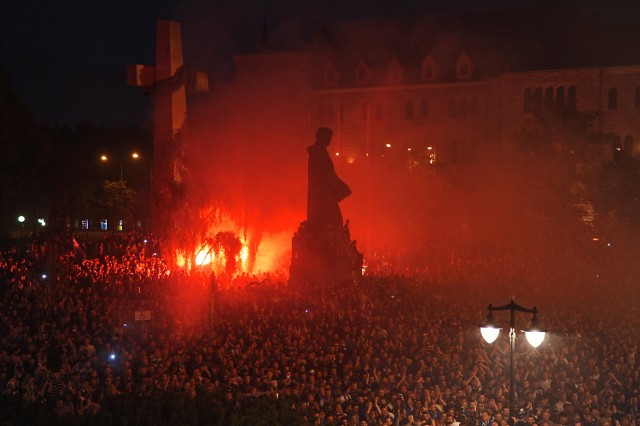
pixel 324 257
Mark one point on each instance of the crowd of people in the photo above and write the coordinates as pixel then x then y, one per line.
pixel 389 350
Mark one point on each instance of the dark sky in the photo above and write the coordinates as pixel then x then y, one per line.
pixel 67 59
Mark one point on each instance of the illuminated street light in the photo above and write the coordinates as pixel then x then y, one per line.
pixel 21 220
pixel 534 335
pixel 104 158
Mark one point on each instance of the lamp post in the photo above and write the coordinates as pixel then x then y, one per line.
pixel 21 220
pixel 534 335
pixel 135 157
pixel 105 158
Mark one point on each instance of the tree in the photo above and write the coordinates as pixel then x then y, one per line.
pixel 615 192
pixel 22 151
pixel 559 149
pixel 116 200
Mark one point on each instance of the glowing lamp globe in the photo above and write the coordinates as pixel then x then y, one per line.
pixel 535 337
pixel 489 333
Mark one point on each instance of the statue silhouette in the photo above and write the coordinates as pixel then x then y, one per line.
pixel 325 188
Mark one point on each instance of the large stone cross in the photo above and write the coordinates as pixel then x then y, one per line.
pixel 168 82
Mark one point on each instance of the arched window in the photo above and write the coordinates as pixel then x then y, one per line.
pixel 618 153
pixel 424 109
pixel 379 112
pixel 548 97
pixel 613 98
pixel 628 146
pixel 560 98
pixel 537 100
pixel 463 108
pixel 527 100
pixel 408 110
pixel 453 108
pixel 572 98
pixel 474 107
pixel 331 113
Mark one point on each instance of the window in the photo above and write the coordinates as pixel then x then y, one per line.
pixel 453 108
pixel 527 101
pixel 548 97
pixel 537 100
pixel 331 79
pixel 613 98
pixel 572 98
pixel 365 111
pixel 331 75
pixel 362 73
pixel 428 69
pixel 394 72
pixel 560 98
pixel 463 109
pixel 104 225
pixel 617 149
pixel 424 109
pixel 84 224
pixel 474 107
pixel 628 146
pixel 331 113
pixel 408 110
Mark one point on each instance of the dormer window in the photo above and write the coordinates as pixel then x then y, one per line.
pixel 363 73
pixel 464 67
pixel 394 72
pixel 331 75
pixel 429 69
pixel 428 73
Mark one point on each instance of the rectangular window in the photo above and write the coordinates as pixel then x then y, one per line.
pixel 84 224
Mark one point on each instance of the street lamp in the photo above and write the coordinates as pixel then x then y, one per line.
pixel 104 158
pixel 21 220
pixel 534 335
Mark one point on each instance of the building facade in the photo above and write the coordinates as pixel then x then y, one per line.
pixel 464 116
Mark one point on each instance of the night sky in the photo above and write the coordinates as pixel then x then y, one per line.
pixel 67 60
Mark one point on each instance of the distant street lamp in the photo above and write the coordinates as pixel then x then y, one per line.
pixel 105 158
pixel 534 335
pixel 21 219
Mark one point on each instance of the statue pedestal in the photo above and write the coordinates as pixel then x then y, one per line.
pixel 324 256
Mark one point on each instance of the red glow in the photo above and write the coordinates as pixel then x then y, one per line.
pixel 228 249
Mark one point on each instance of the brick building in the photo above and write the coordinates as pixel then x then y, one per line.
pixel 463 85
